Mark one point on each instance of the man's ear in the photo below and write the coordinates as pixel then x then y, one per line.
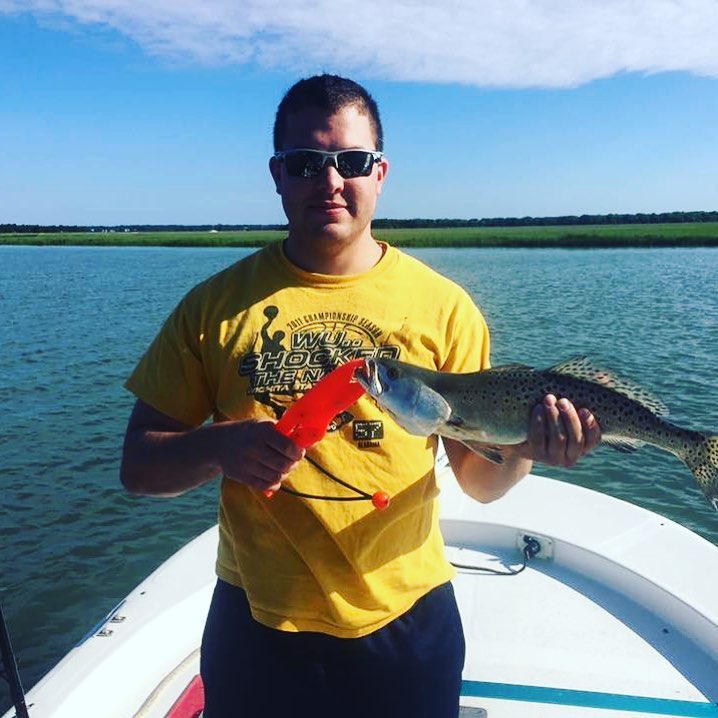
pixel 275 169
pixel 382 170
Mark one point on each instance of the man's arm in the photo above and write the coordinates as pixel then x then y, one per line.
pixel 559 435
pixel 164 457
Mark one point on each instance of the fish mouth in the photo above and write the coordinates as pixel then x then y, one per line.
pixel 368 377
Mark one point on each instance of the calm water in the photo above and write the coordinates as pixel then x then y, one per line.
pixel 75 320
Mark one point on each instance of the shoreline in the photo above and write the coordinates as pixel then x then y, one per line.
pixel 679 235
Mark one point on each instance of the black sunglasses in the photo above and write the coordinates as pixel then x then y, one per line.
pixel 309 163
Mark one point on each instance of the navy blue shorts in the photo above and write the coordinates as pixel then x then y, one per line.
pixel 410 668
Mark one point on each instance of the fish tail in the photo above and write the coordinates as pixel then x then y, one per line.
pixel 702 459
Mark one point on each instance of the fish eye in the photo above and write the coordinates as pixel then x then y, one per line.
pixel 392 373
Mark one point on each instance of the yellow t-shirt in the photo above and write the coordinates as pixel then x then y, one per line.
pixel 251 340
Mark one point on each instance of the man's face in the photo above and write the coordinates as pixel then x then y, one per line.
pixel 328 206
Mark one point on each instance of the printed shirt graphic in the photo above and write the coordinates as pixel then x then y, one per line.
pixel 250 341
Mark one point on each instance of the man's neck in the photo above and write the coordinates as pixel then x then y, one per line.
pixel 331 256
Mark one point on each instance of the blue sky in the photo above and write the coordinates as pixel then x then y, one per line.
pixel 120 111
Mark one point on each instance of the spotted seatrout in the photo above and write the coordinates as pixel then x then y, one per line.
pixel 489 409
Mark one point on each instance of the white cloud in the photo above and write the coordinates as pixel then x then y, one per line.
pixel 496 43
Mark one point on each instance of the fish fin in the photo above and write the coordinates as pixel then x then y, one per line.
pixel 581 367
pixel 623 444
pixel 701 457
pixel 489 451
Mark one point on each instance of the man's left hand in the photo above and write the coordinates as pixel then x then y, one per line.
pixel 560 434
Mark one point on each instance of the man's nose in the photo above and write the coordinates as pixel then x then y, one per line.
pixel 329 177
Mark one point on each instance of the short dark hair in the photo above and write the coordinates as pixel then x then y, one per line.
pixel 330 93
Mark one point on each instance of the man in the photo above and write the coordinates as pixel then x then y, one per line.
pixel 323 607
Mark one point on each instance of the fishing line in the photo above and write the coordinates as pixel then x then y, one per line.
pixel 346 484
pixel 10 671
pixel 380 499
pixel 531 548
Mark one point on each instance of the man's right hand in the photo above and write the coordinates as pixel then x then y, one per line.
pixel 164 457
pixel 255 453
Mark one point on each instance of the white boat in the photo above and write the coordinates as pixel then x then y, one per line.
pixel 616 615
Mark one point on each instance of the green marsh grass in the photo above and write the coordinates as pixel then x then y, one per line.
pixel 698 234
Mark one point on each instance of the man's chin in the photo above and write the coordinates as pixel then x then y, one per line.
pixel 335 229
pixel 331 230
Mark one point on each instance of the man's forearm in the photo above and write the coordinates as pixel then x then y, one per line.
pixel 160 463
pixel 163 457
pixel 482 479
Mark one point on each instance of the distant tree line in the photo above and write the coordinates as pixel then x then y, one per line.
pixel 640 218
pixel 600 219
pixel 99 228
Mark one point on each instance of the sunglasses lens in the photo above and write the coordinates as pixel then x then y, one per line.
pixel 309 163
pixel 354 163
pixel 303 163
